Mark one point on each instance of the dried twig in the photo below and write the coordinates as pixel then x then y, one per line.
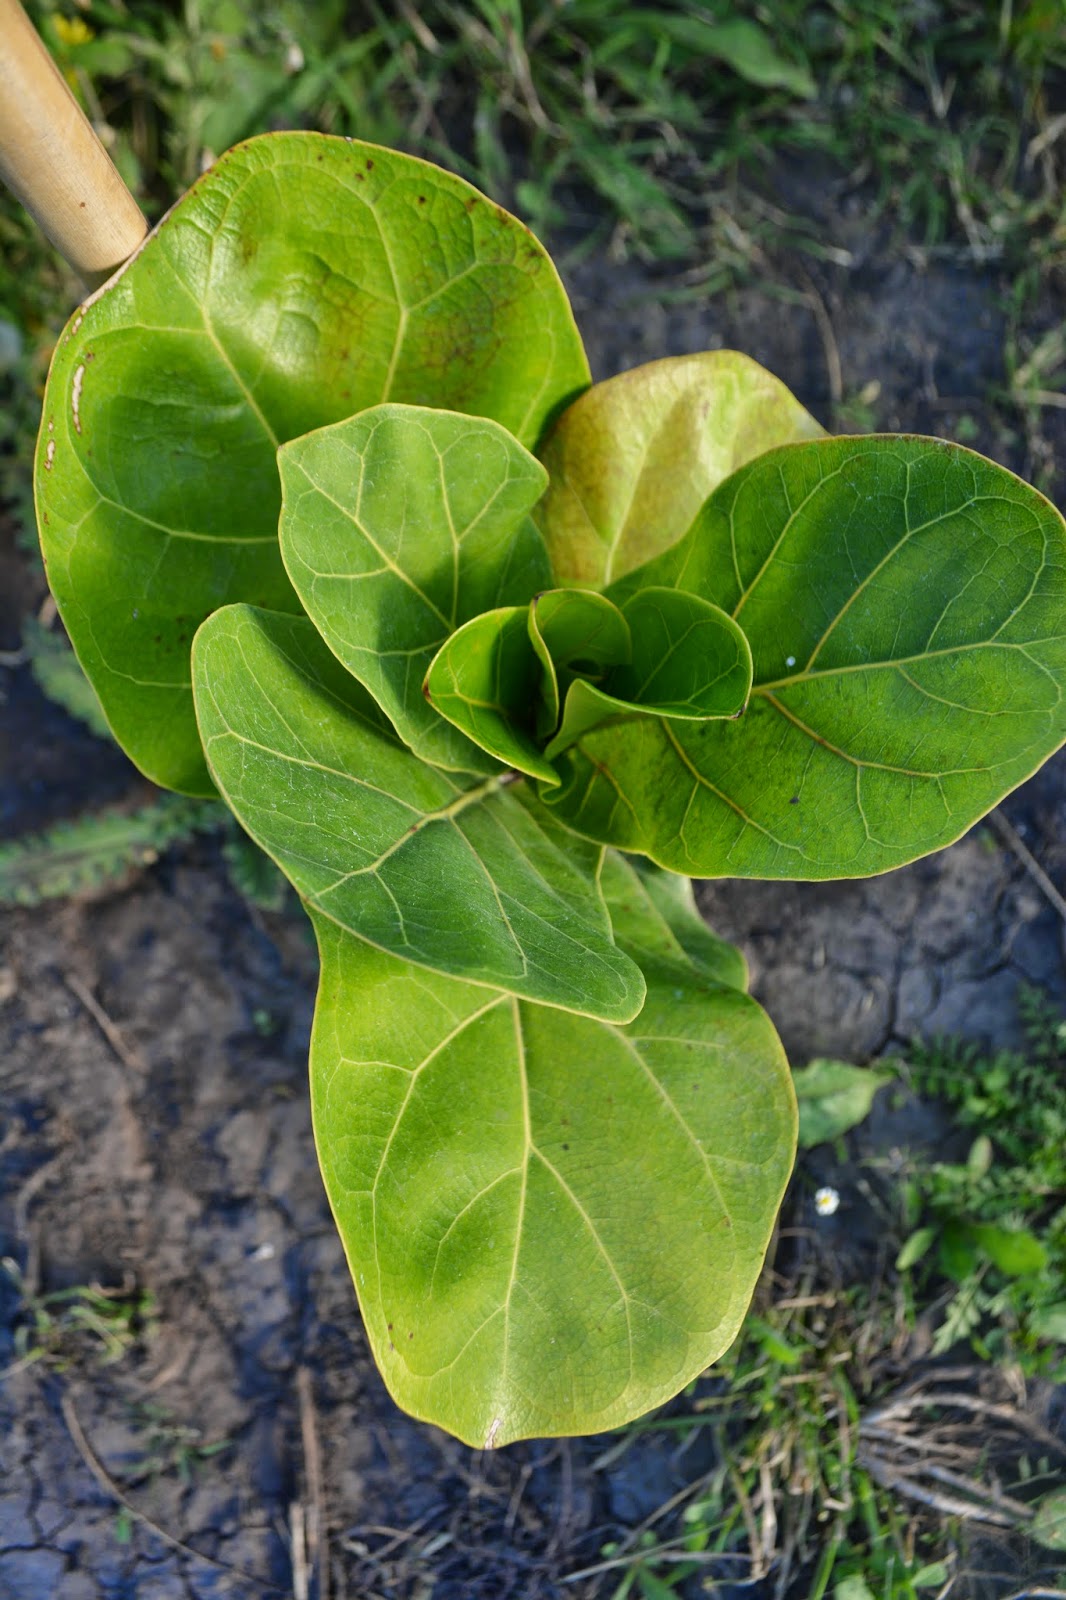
pixel 127 1053
pixel 317 1545
pixel 298 1551
pixel 1011 837
pixel 952 1400
pixel 888 1475
pixel 112 1489
pixel 23 1201
pixel 834 370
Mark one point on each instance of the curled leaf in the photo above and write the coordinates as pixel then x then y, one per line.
pixel 486 679
pixel 688 660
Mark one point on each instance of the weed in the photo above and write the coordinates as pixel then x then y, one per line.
pixel 57 673
pixel 98 850
pixel 252 872
pixel 993 1223
pixel 171 1448
pixel 59 1328
pixel 828 1478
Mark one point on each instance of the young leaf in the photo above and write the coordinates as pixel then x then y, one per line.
pixel 905 607
pixel 486 679
pixel 632 461
pixel 301 280
pixel 1048 1526
pixel 1015 1251
pixel 915 1247
pixel 471 1147
pixel 496 680
pixel 451 871
pixel 397 526
pixel 571 630
pixel 689 660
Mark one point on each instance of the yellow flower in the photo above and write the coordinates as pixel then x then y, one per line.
pixel 72 31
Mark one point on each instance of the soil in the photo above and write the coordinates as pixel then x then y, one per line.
pixel 154 1129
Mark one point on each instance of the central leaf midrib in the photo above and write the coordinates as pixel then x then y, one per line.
pixel 527 1150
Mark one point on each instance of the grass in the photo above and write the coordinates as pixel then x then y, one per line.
pixel 990 1227
pixel 645 119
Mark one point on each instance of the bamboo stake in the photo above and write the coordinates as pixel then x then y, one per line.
pixel 54 163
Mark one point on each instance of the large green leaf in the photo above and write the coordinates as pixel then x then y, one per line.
pixel 451 871
pixel 397 526
pixel 633 459
pixel 553 1224
pixel 905 602
pixel 301 280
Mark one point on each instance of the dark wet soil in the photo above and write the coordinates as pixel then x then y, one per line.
pixel 174 1158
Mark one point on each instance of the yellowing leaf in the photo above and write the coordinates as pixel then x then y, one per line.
pixel 631 462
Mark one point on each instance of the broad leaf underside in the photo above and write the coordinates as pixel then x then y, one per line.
pixel 303 279
pixel 553 1223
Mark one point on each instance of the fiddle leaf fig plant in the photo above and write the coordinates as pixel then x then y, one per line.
pixel 491 662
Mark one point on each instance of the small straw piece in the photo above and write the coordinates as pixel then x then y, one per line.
pixel 54 163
